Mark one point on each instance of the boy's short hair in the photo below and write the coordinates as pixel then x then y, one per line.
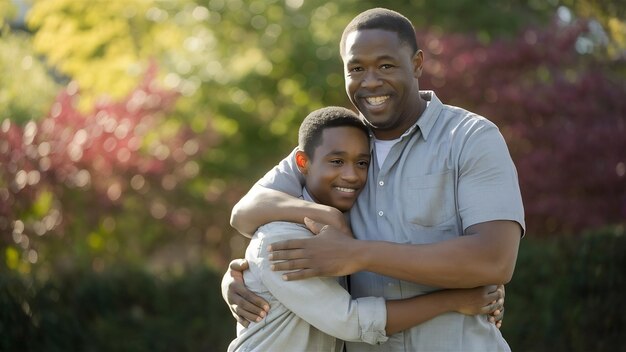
pixel 311 128
pixel 384 19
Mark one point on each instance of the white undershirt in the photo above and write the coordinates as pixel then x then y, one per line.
pixel 384 146
pixel 382 149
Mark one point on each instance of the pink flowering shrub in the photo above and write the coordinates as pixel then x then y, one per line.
pixel 562 113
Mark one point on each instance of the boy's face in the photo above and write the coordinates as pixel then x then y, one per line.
pixel 337 171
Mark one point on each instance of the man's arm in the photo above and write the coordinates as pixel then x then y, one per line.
pixel 485 255
pixel 323 303
pixel 262 205
pixel 245 306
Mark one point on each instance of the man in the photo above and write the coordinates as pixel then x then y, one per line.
pixel 311 315
pixel 442 209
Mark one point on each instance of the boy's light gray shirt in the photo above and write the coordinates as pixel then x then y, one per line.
pixel 305 315
pixel 451 170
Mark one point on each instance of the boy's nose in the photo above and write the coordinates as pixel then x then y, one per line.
pixel 349 174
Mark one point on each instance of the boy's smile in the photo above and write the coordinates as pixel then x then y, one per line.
pixel 337 172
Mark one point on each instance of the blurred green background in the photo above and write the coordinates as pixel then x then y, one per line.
pixel 129 129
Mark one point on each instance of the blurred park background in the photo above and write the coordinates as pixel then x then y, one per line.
pixel 128 130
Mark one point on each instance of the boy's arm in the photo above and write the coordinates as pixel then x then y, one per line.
pixel 406 313
pixel 262 205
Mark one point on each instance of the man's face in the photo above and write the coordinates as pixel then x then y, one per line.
pixel 381 80
pixel 337 171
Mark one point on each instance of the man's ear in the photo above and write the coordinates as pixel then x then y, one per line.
pixel 302 161
pixel 418 62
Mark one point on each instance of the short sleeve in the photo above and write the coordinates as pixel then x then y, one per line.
pixel 488 187
pixel 284 177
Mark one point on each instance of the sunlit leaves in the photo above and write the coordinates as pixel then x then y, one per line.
pixel 26 89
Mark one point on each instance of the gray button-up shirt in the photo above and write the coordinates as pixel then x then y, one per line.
pixel 449 171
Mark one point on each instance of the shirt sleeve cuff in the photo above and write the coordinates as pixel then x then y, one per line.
pixel 372 319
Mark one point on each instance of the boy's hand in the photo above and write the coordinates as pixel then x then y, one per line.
pixel 497 315
pixel 327 254
pixel 243 303
pixel 482 300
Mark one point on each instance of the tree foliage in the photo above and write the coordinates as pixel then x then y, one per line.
pixel 562 113
pixel 232 81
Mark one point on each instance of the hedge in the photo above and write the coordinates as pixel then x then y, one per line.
pixel 566 295
pixel 119 310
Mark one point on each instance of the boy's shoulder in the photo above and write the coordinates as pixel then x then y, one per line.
pixel 279 230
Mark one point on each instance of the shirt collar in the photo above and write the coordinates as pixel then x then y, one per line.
pixel 430 114
pixel 306 196
pixel 424 122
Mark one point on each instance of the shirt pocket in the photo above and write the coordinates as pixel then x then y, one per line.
pixel 430 199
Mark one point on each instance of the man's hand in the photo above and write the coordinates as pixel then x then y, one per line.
pixel 327 254
pixel 243 303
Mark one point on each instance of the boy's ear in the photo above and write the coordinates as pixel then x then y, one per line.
pixel 302 161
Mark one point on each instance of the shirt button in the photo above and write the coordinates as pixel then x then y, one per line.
pixel 380 213
pixel 381 183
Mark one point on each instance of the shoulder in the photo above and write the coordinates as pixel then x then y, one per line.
pixel 466 121
pixel 463 128
pixel 277 227
pixel 280 230
pixel 273 232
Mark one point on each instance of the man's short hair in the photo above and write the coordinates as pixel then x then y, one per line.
pixel 311 128
pixel 384 19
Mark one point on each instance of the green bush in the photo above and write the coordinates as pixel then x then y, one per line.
pixel 565 296
pixel 119 310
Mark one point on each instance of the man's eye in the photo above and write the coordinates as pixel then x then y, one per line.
pixel 386 66
pixel 363 163
pixel 355 69
pixel 336 162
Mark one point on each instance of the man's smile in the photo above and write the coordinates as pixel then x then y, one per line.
pixel 376 101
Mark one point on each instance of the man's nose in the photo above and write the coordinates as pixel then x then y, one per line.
pixel 370 79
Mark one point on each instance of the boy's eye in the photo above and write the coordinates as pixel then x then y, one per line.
pixel 363 163
pixel 337 161
pixel 386 66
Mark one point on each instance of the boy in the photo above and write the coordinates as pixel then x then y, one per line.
pixel 312 314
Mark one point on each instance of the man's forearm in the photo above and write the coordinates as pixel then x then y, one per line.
pixel 262 205
pixel 485 256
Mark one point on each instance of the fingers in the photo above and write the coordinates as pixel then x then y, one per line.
pixel 291 254
pixel 299 275
pixel 286 245
pixel 491 288
pixel 492 296
pixel 241 320
pixel 314 226
pixel 290 265
pixel 249 307
pixel 497 317
pixel 238 265
pixel 249 314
